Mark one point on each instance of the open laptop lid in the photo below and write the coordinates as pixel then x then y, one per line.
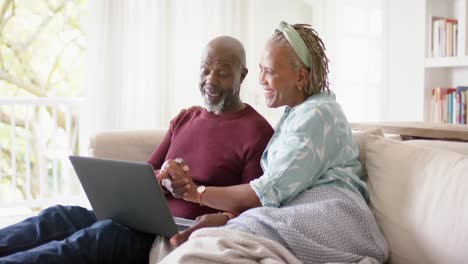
pixel 126 192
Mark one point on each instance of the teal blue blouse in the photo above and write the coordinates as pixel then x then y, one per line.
pixel 312 145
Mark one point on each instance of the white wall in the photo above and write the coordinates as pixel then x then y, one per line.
pixel 405 24
pixel 388 88
pixel 354 34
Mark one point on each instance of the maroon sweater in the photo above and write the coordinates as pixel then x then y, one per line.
pixel 221 150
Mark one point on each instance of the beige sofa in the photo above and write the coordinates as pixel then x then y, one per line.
pixel 418 188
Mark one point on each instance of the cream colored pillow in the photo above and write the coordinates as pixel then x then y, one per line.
pixel 360 139
pixel 419 197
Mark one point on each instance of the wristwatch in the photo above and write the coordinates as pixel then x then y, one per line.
pixel 200 190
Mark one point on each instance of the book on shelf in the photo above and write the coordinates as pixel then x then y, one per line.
pixel 463 105
pixel 449 105
pixel 443 37
pixel 460 94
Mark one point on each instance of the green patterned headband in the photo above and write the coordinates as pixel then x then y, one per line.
pixel 297 43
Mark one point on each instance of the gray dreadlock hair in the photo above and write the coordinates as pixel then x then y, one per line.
pixel 318 74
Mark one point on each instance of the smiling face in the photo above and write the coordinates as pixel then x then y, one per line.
pixel 219 84
pixel 221 74
pixel 281 80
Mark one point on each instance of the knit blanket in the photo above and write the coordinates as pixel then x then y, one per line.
pixel 324 224
pixel 321 225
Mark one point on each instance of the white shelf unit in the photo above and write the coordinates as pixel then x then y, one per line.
pixel 458 61
pixel 445 71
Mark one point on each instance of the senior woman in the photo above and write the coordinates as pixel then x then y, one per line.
pixel 313 202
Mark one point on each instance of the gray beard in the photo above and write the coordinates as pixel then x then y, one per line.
pixel 214 108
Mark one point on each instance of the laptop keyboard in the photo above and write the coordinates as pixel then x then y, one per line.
pixel 182 227
pixel 183 223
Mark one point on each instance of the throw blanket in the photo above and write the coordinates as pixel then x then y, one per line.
pixel 321 225
pixel 324 224
pixel 220 245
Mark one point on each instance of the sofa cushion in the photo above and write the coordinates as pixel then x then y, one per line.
pixel 360 139
pixel 125 145
pixel 419 196
pixel 459 147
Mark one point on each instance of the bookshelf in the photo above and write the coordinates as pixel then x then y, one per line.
pixel 449 62
pixel 446 70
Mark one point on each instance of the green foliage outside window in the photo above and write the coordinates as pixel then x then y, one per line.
pixel 42 55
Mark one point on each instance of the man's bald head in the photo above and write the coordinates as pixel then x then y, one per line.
pixel 222 70
pixel 226 46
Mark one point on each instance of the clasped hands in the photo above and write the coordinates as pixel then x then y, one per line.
pixel 176 178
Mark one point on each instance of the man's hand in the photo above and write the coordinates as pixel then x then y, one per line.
pixel 179 182
pixel 208 220
pixel 190 109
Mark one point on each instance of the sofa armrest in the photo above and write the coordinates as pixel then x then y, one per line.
pixel 136 145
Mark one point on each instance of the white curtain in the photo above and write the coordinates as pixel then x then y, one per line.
pixel 127 65
pixel 361 61
pixel 143 55
pixel 356 36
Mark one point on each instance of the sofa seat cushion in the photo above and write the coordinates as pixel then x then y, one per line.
pixel 419 196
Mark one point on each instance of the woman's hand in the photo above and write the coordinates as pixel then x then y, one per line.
pixel 177 179
pixel 208 220
pixel 161 175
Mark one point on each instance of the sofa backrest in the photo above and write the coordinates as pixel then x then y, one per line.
pixel 134 145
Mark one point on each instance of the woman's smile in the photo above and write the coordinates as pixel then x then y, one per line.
pixel 269 93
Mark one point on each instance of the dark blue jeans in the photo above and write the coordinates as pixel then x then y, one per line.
pixel 71 234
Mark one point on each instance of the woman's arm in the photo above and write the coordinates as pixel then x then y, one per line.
pixel 234 199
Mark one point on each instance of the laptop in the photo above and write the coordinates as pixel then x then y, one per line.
pixel 128 193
